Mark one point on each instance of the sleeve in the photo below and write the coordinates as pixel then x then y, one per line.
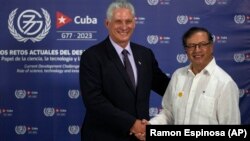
pixel 228 104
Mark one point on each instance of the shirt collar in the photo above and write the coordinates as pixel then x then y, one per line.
pixel 119 49
pixel 210 67
pixel 207 70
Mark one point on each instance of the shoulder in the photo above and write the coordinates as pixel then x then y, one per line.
pixel 179 74
pixel 141 50
pixel 222 75
pixel 95 49
pixel 224 80
pixel 140 47
pixel 181 71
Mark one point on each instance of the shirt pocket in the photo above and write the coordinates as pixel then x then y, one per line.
pixel 205 109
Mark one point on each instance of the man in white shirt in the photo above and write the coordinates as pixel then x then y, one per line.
pixel 202 92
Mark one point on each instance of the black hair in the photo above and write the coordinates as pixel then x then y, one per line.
pixel 194 30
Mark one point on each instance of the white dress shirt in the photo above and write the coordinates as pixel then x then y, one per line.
pixel 130 56
pixel 209 97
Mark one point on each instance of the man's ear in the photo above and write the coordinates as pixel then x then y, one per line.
pixel 106 23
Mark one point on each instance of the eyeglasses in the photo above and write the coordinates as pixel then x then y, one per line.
pixel 201 45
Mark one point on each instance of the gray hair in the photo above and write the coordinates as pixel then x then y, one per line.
pixel 119 4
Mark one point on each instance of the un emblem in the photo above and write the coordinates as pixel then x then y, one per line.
pixel 20 130
pixel 73 94
pixel 30 25
pixel 239 57
pixel 214 38
pixel 49 112
pixel 239 19
pixel 20 94
pixel 153 2
pixel 153 111
pixel 73 129
pixel 152 39
pixel 210 2
pixel 182 19
pixel 182 58
pixel 242 92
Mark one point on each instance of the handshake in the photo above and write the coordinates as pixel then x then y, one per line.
pixel 139 129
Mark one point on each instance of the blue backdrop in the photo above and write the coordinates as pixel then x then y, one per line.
pixel 42 40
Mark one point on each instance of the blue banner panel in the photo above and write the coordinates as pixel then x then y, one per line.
pixel 42 40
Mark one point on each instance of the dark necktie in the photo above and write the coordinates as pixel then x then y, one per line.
pixel 128 66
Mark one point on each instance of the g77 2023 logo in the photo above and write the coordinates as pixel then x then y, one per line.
pixel 31 25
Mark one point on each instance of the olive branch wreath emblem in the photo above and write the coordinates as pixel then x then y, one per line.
pixel 20 38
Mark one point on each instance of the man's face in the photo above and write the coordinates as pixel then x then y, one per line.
pixel 199 50
pixel 121 26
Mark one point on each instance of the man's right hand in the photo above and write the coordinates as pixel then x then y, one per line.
pixel 139 129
